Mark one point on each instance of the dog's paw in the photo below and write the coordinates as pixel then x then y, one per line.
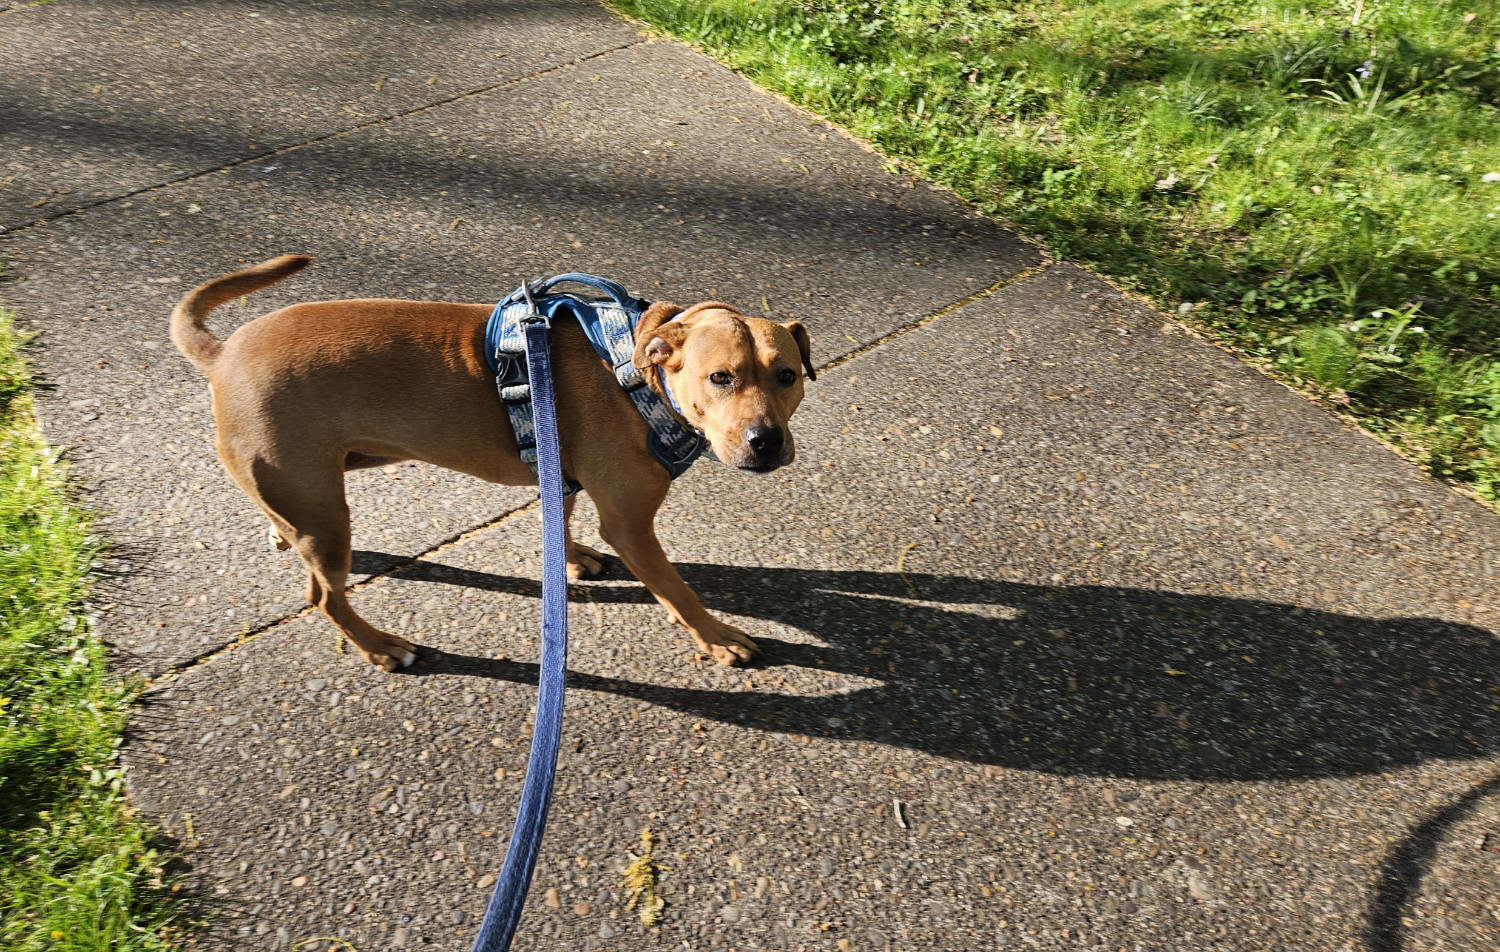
pixel 584 562
pixel 726 644
pixel 277 542
pixel 392 654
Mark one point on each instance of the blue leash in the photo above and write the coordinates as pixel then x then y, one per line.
pixel 504 912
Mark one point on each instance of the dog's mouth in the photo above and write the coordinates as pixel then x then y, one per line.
pixel 746 459
pixel 753 463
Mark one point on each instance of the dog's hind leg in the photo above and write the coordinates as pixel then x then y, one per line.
pixel 583 561
pixel 306 506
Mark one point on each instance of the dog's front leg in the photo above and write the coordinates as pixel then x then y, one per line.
pixel 583 561
pixel 627 524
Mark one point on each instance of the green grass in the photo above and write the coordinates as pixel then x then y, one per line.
pixel 1308 188
pixel 77 870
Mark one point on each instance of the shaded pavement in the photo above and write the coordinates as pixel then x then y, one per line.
pixel 1077 632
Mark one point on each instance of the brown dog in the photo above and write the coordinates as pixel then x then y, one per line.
pixel 304 394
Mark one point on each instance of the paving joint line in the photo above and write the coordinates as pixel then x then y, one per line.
pixel 327 137
pixel 943 311
pixel 172 671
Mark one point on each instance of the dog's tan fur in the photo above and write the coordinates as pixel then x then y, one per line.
pixel 306 393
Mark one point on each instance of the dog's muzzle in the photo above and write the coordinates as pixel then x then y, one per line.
pixel 765 448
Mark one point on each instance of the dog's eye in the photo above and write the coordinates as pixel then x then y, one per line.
pixel 719 378
pixel 786 377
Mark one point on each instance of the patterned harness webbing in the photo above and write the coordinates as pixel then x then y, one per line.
pixel 610 326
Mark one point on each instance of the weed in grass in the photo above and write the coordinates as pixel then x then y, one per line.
pixel 78 872
pixel 1329 358
pixel 1291 168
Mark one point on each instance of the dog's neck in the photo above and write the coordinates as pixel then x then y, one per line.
pixel 658 382
pixel 665 389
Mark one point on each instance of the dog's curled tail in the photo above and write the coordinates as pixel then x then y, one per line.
pixel 188 333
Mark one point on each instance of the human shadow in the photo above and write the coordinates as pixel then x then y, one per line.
pixel 1092 680
pixel 1407 864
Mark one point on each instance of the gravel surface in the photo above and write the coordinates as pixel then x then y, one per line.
pixel 1077 632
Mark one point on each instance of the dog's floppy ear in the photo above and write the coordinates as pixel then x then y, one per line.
pixel 655 338
pixel 804 344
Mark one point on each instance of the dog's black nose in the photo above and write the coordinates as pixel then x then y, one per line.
pixel 765 440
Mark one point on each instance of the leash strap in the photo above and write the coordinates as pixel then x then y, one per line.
pixel 504 912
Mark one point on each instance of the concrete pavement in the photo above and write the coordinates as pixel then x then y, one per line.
pixel 1078 632
pixel 459 203
pixel 112 98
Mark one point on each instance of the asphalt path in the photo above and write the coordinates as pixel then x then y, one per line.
pixel 1078 632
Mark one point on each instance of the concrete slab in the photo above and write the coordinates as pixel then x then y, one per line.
pixel 720 191
pixel 1077 632
pixel 103 99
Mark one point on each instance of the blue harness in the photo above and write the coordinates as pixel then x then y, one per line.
pixel 610 326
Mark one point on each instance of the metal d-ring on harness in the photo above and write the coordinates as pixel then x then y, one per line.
pixel 516 346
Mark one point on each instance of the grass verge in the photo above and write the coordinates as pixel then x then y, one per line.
pixel 78 871
pixel 1317 185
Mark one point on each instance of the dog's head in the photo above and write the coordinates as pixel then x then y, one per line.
pixel 737 379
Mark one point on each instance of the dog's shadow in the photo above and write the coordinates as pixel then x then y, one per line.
pixel 1085 680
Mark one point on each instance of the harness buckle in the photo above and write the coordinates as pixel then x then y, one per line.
pixel 510 371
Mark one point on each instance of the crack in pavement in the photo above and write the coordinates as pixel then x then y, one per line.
pixel 395 569
pixel 337 134
pixel 943 311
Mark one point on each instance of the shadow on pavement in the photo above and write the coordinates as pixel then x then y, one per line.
pixel 1089 680
pixel 1402 873
pixel 504 190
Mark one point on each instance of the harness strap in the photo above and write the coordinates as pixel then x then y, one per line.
pixel 610 327
pixel 505 349
pixel 504 911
